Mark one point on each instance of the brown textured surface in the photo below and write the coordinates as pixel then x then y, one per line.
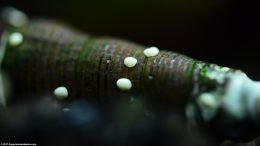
pixel 54 54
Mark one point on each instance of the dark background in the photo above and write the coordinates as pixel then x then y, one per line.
pixel 217 31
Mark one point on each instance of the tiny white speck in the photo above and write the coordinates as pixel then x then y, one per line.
pixel 130 61
pixel 15 38
pixel 225 69
pixel 61 92
pixel 150 77
pixel 124 84
pixel 152 51
pixel 108 61
pixel 66 109
pixel 132 99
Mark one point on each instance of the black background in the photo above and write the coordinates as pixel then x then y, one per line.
pixel 217 31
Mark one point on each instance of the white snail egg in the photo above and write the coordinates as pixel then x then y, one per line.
pixel 124 84
pixel 130 61
pixel 61 92
pixel 152 51
pixel 15 38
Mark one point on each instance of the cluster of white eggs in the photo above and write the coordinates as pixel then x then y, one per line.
pixel 124 84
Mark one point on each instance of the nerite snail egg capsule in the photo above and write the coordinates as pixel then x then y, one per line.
pixel 61 92
pixel 124 84
pixel 15 38
pixel 150 52
pixel 130 61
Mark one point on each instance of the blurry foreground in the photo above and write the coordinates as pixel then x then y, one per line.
pixel 46 121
